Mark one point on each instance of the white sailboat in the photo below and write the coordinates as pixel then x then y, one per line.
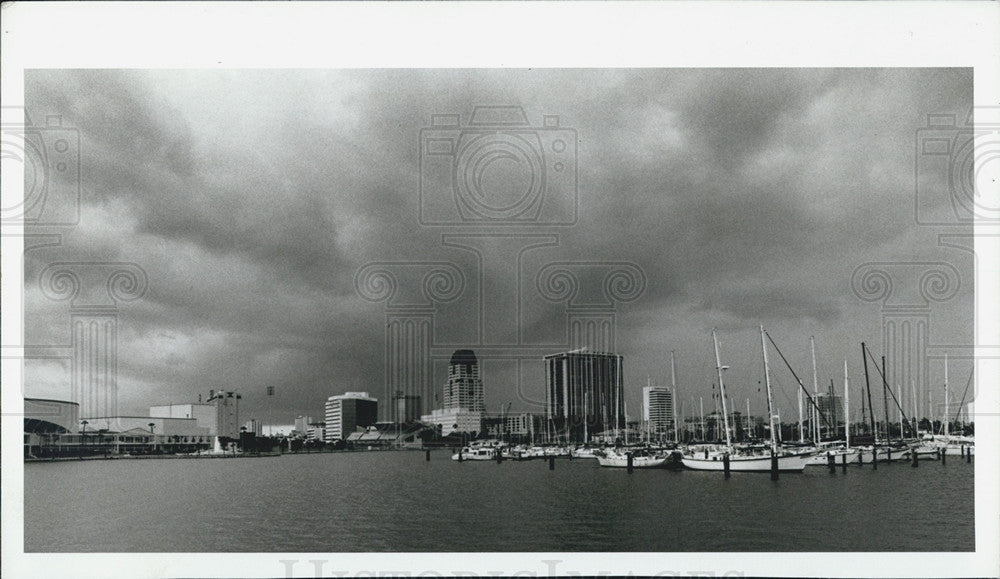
pixel 749 458
pixel 640 459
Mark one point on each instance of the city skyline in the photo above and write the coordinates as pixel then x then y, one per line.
pixel 741 198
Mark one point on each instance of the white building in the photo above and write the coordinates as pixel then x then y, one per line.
pixel 316 431
pixel 455 421
pixel 346 412
pixel 302 424
pixel 227 412
pixel 205 415
pixel 658 408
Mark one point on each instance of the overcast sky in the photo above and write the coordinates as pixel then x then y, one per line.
pixel 252 198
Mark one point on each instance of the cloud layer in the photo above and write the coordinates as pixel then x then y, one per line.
pixel 251 199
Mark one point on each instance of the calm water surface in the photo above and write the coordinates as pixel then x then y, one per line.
pixel 395 501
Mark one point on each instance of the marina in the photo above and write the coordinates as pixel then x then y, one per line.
pixel 399 501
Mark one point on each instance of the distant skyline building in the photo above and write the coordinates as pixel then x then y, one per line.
pixel 831 407
pixel 346 412
pixel 583 393
pixel 255 427
pixel 316 431
pixel 407 408
pixel 658 408
pixel 302 424
pixel 227 412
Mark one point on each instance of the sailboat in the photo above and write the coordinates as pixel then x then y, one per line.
pixel 748 458
pixel 838 451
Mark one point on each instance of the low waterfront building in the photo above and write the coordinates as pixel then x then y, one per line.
pixel 449 421
pixel 522 425
pixel 387 435
pixel 205 414
pixel 316 431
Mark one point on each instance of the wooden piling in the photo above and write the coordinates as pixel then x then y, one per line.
pixel 459 455
pixel 831 461
pixel 941 452
pixel 968 455
pixel 725 464
pixel 428 455
pixel 874 458
pixel 915 459
pixel 629 467
pixel 774 465
pixel 843 463
pixel 552 462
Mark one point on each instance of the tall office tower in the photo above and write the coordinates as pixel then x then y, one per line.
pixel 464 389
pixel 583 394
pixel 658 408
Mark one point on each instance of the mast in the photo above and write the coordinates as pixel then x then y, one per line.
pixel 899 390
pixel 586 419
pixel 812 348
pixel 802 433
pixel 868 388
pixel 673 395
pixel 885 401
pixel 701 406
pixel 767 382
pixel 847 409
pixel 913 401
pixel 722 390
pixel 748 419
pixel 946 394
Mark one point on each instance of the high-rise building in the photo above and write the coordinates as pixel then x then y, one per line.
pixel 464 389
pixel 407 408
pixel 227 412
pixel 464 404
pixel 831 408
pixel 302 424
pixel 346 412
pixel 583 393
pixel 658 408
pixel 255 427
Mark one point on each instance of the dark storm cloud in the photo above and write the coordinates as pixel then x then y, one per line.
pixel 251 198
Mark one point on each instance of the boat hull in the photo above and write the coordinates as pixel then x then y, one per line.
pixel 791 463
pixel 821 459
pixel 884 455
pixel 637 462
